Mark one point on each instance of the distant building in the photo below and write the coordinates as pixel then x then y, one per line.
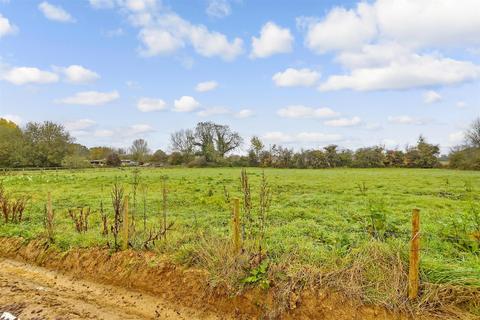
pixel 97 163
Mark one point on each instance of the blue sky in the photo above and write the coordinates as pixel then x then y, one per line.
pixel 298 73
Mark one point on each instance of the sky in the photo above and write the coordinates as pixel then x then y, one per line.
pixel 302 73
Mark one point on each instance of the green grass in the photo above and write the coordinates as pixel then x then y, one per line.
pixel 322 217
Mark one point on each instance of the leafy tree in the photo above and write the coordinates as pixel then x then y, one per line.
pixel 113 160
pixel 99 153
pixel 371 157
pixel 423 155
pixel 46 143
pixel 394 158
pixel 331 155
pixel 139 150
pixel 159 156
pixel 256 147
pixel 11 144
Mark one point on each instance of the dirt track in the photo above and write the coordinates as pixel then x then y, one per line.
pixel 31 292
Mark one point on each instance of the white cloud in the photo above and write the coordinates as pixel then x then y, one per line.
pixel 273 39
pixel 311 137
pixel 341 29
pixel 139 129
pixel 103 133
pixel 13 117
pixel 6 27
pixel 244 113
pixel 158 42
pixel 456 137
pixel 55 13
pixel 81 124
pixel 343 122
pixel 166 33
pixel 91 98
pixel 150 104
pixel 296 78
pixel 218 8
pixel 407 72
pixel 431 97
pixel 186 104
pixel 461 104
pixel 213 111
pixel 29 75
pixel 78 74
pixel 206 86
pixel 405 120
pixel 102 4
pixel 299 111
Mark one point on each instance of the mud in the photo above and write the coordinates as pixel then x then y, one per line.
pixel 30 292
pixel 96 284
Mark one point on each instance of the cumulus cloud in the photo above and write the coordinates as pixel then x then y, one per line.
pixel 299 111
pixel 206 86
pixel 150 104
pixel 390 44
pixel 410 71
pixel 29 75
pixel 431 97
pixel 273 39
pixel 80 124
pixel 6 27
pixel 91 98
pixel 186 104
pixel 218 8
pixel 139 129
pixel 296 78
pixel 344 122
pixel 78 75
pixel 302 137
pixel 55 13
pixel 244 113
pixel 405 120
pixel 341 29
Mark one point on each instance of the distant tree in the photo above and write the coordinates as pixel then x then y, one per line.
pixel 472 135
pixel 345 158
pixel 176 158
pixel 11 144
pixel 46 143
pixel 256 147
pixel 394 158
pixel 77 149
pixel 159 156
pixel 183 141
pixel 371 157
pixel 139 150
pixel 209 140
pixel 331 155
pixel 99 153
pixel 423 155
pixel 113 160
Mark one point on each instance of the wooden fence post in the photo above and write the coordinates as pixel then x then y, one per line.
pixel 236 225
pixel 49 217
pixel 413 277
pixel 125 224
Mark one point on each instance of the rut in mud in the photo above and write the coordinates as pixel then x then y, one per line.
pixel 30 292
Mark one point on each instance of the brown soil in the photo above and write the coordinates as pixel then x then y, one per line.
pixel 141 285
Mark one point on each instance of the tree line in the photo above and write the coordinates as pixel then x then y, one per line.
pixel 49 144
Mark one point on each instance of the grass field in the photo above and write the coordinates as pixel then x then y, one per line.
pixel 322 220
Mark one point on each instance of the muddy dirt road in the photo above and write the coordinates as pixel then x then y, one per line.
pixel 30 292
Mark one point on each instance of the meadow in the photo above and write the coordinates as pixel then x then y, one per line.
pixel 319 222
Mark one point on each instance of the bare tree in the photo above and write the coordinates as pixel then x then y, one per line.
pixel 183 141
pixel 139 150
pixel 472 135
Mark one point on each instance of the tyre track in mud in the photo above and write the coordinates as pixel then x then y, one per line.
pixel 31 292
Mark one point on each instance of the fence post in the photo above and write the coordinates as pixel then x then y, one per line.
pixel 125 224
pixel 49 218
pixel 236 225
pixel 413 277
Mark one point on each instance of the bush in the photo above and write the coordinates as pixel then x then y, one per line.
pixel 113 160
